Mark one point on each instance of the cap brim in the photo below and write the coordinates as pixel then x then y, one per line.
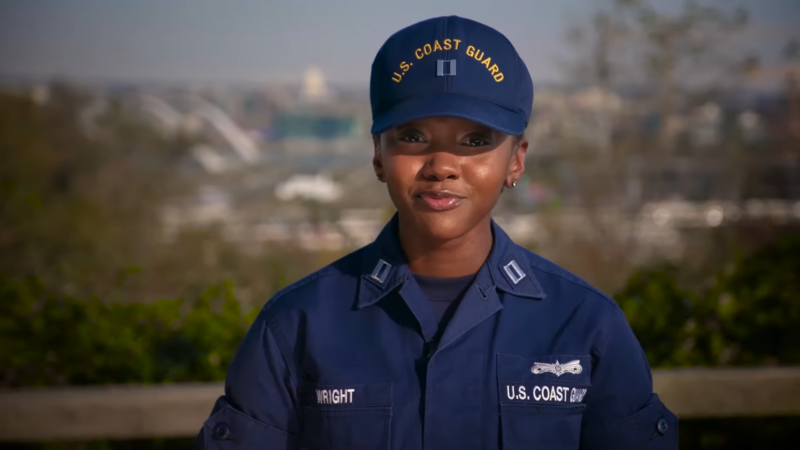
pixel 451 105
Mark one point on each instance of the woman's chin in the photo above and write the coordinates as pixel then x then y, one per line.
pixel 441 226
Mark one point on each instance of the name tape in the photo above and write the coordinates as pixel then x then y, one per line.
pixel 334 396
pixel 347 396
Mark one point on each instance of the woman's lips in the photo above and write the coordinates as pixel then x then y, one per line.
pixel 439 200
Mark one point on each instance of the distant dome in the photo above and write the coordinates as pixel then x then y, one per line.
pixel 314 86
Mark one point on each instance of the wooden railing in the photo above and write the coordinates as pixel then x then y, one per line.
pixel 178 410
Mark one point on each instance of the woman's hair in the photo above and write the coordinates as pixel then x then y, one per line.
pixel 520 137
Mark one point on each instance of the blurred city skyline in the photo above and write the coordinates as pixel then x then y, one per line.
pixel 658 121
pixel 261 42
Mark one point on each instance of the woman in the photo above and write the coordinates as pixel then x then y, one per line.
pixel 442 334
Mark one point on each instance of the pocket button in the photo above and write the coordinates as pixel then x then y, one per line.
pixel 662 426
pixel 222 432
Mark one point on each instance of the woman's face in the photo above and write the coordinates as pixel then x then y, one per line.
pixel 445 174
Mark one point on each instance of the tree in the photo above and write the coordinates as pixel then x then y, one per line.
pixel 791 55
pixel 75 207
pixel 677 60
pixel 658 48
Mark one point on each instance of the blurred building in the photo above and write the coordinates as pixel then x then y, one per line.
pixel 319 123
pixel 263 152
pixel 319 188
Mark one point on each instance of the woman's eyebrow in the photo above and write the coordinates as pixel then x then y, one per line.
pixel 480 130
pixel 409 127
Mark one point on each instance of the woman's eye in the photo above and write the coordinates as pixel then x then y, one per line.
pixel 411 138
pixel 477 142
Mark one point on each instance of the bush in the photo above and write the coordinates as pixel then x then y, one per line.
pixel 52 340
pixel 665 319
pixel 747 317
pixel 758 307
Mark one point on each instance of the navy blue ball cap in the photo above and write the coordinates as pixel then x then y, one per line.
pixel 450 66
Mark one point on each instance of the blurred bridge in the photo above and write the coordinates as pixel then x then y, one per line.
pixel 197 114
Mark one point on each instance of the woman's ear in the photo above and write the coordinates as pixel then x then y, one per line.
pixel 377 161
pixel 517 163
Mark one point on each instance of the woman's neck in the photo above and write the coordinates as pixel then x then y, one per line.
pixel 457 257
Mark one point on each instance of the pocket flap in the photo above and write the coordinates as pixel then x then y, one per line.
pixel 545 427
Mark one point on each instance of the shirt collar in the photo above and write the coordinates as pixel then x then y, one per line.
pixel 384 267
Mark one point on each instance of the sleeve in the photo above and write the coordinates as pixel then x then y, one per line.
pixel 622 412
pixel 259 408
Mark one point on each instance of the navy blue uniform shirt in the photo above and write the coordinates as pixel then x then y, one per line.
pixel 533 358
pixel 444 295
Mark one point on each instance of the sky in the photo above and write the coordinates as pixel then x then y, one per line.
pixel 266 41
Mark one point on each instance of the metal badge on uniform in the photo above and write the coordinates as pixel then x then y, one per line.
pixel 574 367
pixel 514 272
pixel 380 271
pixel 446 67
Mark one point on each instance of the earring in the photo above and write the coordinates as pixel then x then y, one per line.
pixel 514 184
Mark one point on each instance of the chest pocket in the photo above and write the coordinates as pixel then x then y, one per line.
pixel 347 417
pixel 541 400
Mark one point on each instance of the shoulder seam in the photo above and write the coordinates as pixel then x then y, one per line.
pixel 280 341
pixel 537 265
pixel 272 325
pixel 326 271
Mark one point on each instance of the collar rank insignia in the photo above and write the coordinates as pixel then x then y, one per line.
pixel 573 367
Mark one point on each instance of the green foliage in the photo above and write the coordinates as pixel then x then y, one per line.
pixel 665 318
pixel 48 339
pixel 77 200
pixel 82 203
pixel 748 317
pixel 758 306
